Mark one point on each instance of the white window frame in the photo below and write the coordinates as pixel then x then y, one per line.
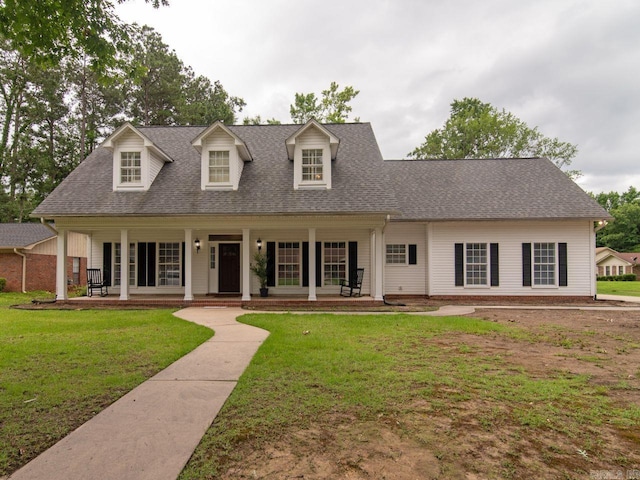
pixel 289 264
pixel 129 170
pixel 402 257
pixel 313 166
pixel 117 265
pixel 476 265
pixel 537 260
pixel 221 168
pixel 176 248
pixel 339 266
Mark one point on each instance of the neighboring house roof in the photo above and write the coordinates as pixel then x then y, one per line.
pixel 488 189
pixel 631 257
pixel 362 182
pixel 22 235
pixel 603 253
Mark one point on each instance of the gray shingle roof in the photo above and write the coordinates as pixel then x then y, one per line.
pixel 266 184
pixel 20 235
pixel 361 183
pixel 501 189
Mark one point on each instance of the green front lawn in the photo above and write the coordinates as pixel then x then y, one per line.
pixel 58 368
pixel 323 388
pixel 619 288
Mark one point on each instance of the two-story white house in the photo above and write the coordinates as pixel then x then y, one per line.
pixel 181 210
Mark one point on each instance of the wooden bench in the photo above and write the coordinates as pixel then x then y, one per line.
pixel 354 283
pixel 95 282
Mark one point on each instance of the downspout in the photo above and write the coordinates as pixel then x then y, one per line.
pixel 24 269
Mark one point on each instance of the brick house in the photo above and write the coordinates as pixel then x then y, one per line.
pixel 28 257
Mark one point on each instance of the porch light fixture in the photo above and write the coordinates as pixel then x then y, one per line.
pixel 259 243
pixel 196 244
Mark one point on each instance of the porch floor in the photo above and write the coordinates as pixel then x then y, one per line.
pixel 221 301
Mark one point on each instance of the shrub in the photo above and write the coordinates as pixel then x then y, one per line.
pixel 3 283
pixel 627 277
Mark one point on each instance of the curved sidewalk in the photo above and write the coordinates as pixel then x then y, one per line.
pixel 151 432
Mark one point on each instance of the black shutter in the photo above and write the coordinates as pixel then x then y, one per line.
pixel 459 264
pixel 562 265
pixel 526 264
pixel 318 264
pixel 305 264
pixel 271 264
pixel 151 264
pixel 413 254
pixel 106 263
pixel 142 264
pixel 353 262
pixel 183 266
pixel 495 265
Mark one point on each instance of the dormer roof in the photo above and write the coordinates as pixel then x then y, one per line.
pixel 241 146
pixel 333 140
pixel 126 127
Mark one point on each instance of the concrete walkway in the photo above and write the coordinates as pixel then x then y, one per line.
pixel 151 432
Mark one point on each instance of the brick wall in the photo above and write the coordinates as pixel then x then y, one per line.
pixel 11 269
pixel 41 271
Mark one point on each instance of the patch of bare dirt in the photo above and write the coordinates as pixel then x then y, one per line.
pixel 475 439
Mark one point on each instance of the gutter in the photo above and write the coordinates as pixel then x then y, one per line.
pixel 43 222
pixel 24 269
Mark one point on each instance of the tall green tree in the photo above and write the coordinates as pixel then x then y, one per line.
pixel 476 129
pixel 333 107
pixel 49 31
pixel 623 233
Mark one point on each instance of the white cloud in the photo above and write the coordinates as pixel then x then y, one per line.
pixel 569 67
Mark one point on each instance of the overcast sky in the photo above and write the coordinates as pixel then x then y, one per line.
pixel 569 67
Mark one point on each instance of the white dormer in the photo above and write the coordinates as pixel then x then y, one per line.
pixel 312 148
pixel 222 155
pixel 136 159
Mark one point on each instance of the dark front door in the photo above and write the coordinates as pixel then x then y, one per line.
pixel 229 271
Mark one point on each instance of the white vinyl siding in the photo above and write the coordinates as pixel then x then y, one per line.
pixel 578 234
pixel 406 279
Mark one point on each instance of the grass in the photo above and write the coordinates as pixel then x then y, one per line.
pixel 60 368
pixel 619 288
pixel 363 368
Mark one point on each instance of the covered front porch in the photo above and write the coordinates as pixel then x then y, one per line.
pixel 195 260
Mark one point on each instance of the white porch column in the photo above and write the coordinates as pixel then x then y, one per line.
pixel 379 260
pixel 61 265
pixel 312 265
pixel 124 264
pixel 188 257
pixel 89 251
pixel 246 262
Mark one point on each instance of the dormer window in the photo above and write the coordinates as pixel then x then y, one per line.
pixel 130 168
pixel 219 166
pixel 312 165
pixel 222 156
pixel 137 161
pixel 312 149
